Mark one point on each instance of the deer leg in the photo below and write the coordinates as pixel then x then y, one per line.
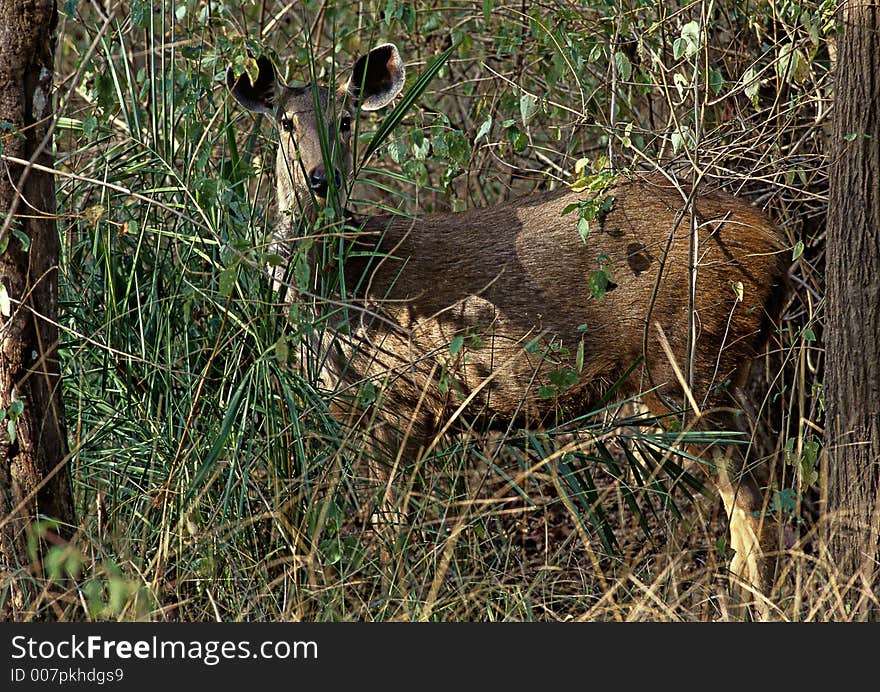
pixel 395 445
pixel 384 463
pixel 751 536
pixel 386 520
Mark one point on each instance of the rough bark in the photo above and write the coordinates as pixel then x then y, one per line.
pixel 853 309
pixel 34 481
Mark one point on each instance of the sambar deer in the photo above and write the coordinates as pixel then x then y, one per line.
pixel 513 280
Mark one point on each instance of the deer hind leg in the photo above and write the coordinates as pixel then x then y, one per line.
pixel 751 534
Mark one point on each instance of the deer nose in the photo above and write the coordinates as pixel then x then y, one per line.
pixel 318 181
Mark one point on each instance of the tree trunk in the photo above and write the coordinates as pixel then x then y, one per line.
pixel 34 479
pixel 852 283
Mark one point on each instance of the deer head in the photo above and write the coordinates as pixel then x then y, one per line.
pixel 314 159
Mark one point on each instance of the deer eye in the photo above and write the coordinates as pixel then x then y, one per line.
pixel 345 123
pixel 286 124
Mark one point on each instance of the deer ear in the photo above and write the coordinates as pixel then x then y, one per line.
pixel 377 77
pixel 258 96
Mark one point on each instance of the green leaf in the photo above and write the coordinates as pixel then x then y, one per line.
pixel 10 430
pixel 563 379
pixel 119 590
pixel 251 68
pixel 784 501
pixel 69 7
pixel 192 52
pixel 811 451
pixel 282 350
pixel 798 250
pixel 54 562
pixel 369 394
pixel 397 150
pixel 105 91
pixel 680 138
pixel 22 238
pixel 626 140
pixel 16 408
pixel 809 464
pixel 456 344
pixel 63 561
pixel 751 83
pixel 809 334
pixel 89 126
pixel 421 145
pixel 518 140
pixel 791 64
pixel 139 12
pixel 583 228
pixel 226 280
pixel 390 11
pixel 484 129
pixel 678 48
pixel 623 65
pixel 546 392
pixel 598 283
pixel 528 108
pixel 93 593
pixel 690 34
pixel 716 81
